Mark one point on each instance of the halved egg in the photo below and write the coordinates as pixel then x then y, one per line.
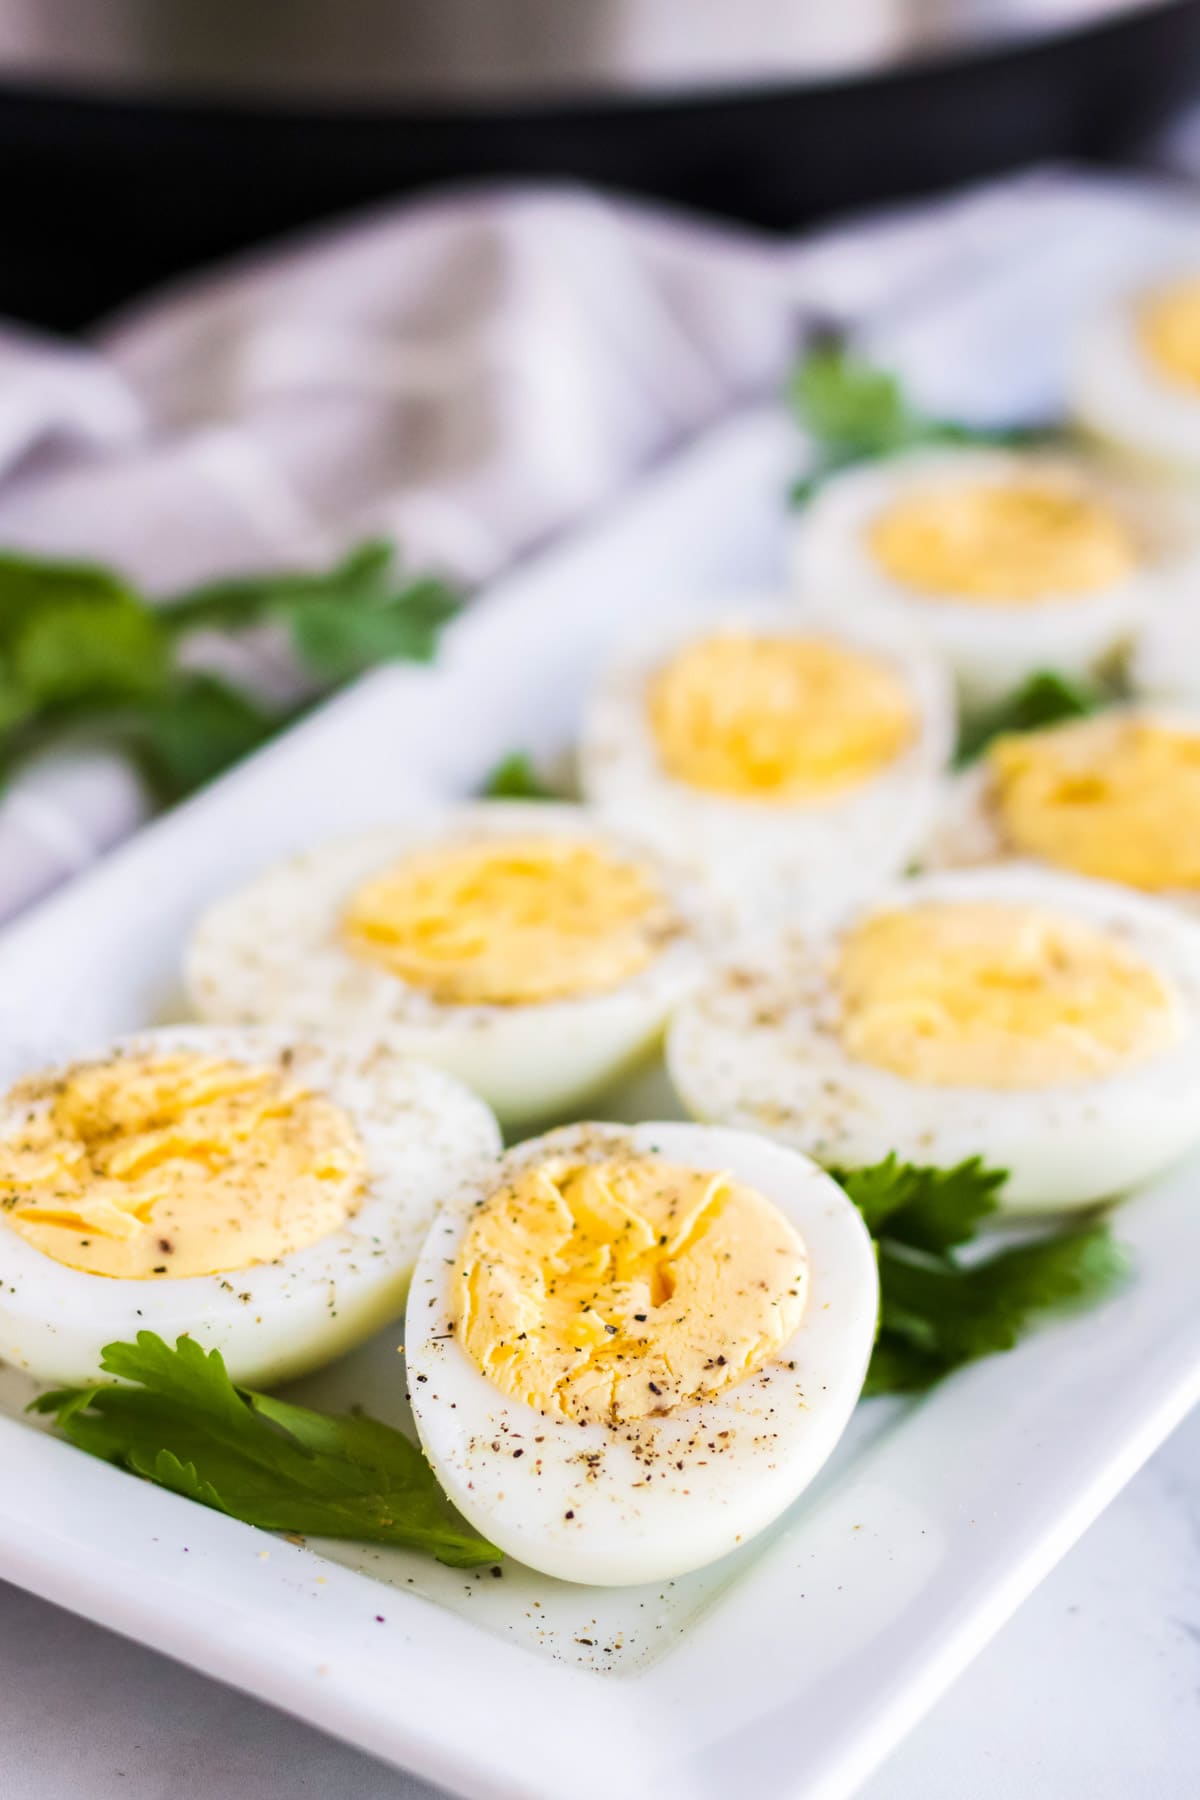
pixel 262 1194
pixel 793 762
pixel 631 1348
pixel 1116 797
pixel 1135 374
pixel 1007 562
pixel 1048 1024
pixel 529 948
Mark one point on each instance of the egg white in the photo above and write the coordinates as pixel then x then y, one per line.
pixel 273 953
pixel 757 1048
pixel 1117 394
pixel 766 860
pixel 611 1505
pixel 1165 665
pixel 423 1134
pixel 992 647
pixel 969 832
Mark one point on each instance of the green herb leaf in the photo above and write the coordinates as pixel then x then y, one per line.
pixel 938 1312
pixel 930 1209
pixel 342 620
pixel 81 651
pixel 516 778
pixel 198 728
pixel 955 1314
pixel 73 635
pixel 1045 698
pixel 849 406
pixel 855 412
pixel 232 604
pixel 88 652
pixel 182 1423
pixel 338 638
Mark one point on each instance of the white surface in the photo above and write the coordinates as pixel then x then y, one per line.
pixel 1089 1694
pixel 792 1668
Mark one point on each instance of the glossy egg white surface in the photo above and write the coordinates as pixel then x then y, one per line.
pixel 612 1505
pixel 1118 395
pixel 765 860
pixel 993 647
pixel 423 1134
pixel 757 1048
pixel 272 952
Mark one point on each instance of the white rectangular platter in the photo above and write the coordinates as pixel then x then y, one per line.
pixel 790 1669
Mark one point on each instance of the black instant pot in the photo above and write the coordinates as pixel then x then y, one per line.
pixel 141 137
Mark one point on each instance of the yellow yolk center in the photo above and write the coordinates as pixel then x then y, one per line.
pixel 1117 798
pixel 995 543
pixel 175 1165
pixel 1169 330
pixel 996 995
pixel 513 921
pixel 608 1291
pixel 778 718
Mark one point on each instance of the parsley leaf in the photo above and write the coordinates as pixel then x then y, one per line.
pixel 82 650
pixel 199 727
pixel 1044 698
pixel 855 412
pixel 931 1209
pixel 938 1312
pixel 338 639
pixel 516 778
pixel 342 620
pixel 950 1314
pixel 182 1423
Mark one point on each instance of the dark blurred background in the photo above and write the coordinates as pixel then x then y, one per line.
pixel 140 137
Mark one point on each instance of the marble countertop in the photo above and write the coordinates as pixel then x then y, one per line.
pixel 1091 1693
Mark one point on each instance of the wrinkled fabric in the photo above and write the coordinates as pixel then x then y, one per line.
pixel 474 374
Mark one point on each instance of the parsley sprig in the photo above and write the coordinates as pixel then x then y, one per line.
pixel 1045 698
pixel 939 1310
pixel 515 777
pixel 84 653
pixel 181 1422
pixel 854 412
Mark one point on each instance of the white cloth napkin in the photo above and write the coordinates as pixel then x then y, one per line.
pixel 472 374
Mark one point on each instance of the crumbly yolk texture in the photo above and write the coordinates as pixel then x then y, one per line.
pixel 145 1168
pixel 1169 332
pixel 606 1292
pixel 510 922
pixel 1116 798
pixel 1001 544
pixel 777 718
pixel 997 995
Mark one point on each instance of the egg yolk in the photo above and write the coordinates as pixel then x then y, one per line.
pixel 506 922
pixel 605 1292
pixel 777 718
pixel 996 995
pixel 1169 332
pixel 175 1166
pixel 997 544
pixel 1117 798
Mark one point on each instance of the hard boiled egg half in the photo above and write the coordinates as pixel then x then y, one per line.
pixel 1006 562
pixel 1135 376
pixel 1048 1024
pixel 1116 796
pixel 793 762
pixel 629 1349
pixel 265 1195
pixel 529 948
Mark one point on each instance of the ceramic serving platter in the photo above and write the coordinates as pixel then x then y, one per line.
pixel 787 1670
